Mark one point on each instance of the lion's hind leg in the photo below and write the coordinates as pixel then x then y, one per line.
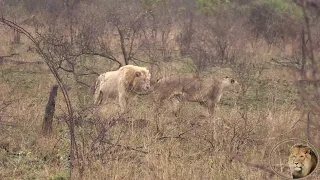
pixel 98 97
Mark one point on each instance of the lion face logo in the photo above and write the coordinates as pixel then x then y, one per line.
pixel 302 161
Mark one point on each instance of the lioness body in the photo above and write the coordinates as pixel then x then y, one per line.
pixel 206 91
pixel 302 161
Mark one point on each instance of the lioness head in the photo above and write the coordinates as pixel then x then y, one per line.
pixel 302 161
pixel 228 82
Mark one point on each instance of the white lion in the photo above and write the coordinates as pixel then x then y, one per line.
pixel 122 84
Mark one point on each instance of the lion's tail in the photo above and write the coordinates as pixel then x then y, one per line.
pixel 94 86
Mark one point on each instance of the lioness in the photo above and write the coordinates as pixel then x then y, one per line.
pixel 302 161
pixel 206 91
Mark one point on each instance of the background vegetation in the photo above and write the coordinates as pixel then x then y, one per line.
pixel 270 46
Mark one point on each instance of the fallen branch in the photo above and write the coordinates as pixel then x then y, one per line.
pixel 5 56
pixel 15 62
pixel 257 166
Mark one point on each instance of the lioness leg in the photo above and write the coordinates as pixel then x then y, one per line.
pixel 209 107
pixel 212 110
pixel 175 103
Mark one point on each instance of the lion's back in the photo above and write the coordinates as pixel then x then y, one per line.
pixel 109 83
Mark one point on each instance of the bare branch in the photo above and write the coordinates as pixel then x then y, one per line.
pixel 254 165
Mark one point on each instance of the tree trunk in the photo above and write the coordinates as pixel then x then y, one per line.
pixel 304 54
pixel 49 111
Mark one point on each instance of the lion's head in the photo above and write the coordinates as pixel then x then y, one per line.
pixel 141 83
pixel 137 79
pixel 302 161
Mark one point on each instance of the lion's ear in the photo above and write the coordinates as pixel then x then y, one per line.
pixel 138 74
pixel 232 81
pixel 308 150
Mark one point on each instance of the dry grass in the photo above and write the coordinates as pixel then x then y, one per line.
pixel 135 145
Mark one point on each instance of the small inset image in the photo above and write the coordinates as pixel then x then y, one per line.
pixel 302 161
pixel 294 159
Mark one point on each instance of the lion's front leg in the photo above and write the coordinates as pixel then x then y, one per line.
pixel 123 101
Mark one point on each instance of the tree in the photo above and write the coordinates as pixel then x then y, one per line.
pixel 210 6
pixel 309 87
pixel 275 20
pixel 49 111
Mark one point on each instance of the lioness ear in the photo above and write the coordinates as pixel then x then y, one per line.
pixel 232 81
pixel 138 74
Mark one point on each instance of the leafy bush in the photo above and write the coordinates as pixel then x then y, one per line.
pixel 275 19
pixel 210 6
